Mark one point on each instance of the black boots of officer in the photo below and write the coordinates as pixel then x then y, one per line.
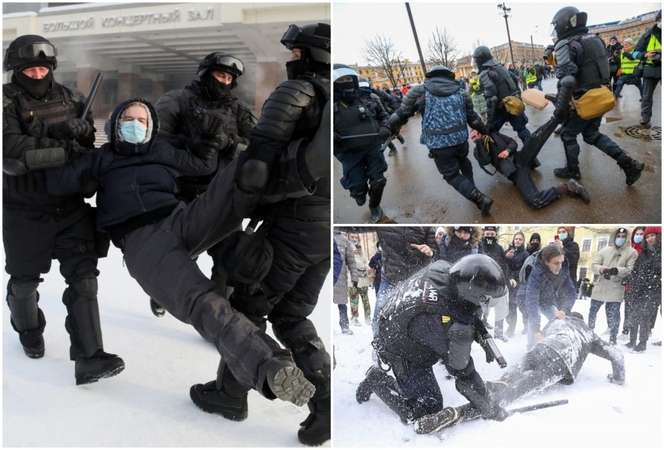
pixel 376 381
pixel 377 186
pixel 632 169
pixel 84 327
pixel 482 201
pixel 224 396
pixel 473 389
pixel 27 318
pixel 316 428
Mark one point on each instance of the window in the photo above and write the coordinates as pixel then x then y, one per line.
pixel 586 244
pixel 602 242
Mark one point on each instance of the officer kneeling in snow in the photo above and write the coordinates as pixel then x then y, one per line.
pixel 412 338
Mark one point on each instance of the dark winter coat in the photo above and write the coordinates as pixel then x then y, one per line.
pixel 496 253
pixel 516 262
pixel 572 340
pixel 399 259
pixel 572 254
pixel 454 248
pixel 647 276
pixel 546 289
pixel 441 87
pixel 135 183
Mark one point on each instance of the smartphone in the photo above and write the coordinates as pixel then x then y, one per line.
pixel 556 238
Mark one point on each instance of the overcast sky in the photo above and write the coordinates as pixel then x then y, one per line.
pixel 467 22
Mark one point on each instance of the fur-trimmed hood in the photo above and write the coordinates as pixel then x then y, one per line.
pixel 475 237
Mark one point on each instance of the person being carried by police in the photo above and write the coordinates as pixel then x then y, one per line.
pixel 412 338
pixel 360 127
pixel 500 151
pixel 582 70
pixel 502 94
pixel 447 111
pixel 43 127
pixel 181 112
pixel 282 284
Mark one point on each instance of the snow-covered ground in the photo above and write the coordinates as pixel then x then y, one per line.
pixel 599 414
pixel 147 405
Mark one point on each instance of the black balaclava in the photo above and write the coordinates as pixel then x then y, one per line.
pixel 36 88
pixel 213 89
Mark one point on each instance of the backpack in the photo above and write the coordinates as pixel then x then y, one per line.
pixel 445 122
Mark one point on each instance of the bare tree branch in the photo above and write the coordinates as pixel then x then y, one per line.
pixel 381 52
pixel 442 49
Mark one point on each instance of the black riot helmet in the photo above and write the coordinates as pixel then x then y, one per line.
pixel 566 19
pixel 481 55
pixel 439 71
pixel 479 280
pixel 30 50
pixel 223 62
pixel 315 38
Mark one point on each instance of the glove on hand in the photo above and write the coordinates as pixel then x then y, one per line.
pixel 71 129
pixel 209 124
pixel 203 148
pixel 384 133
pixel 561 114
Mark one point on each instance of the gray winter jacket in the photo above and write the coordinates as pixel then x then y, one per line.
pixel 348 258
pixel 623 258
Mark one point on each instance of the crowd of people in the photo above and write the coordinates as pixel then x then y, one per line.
pixel 174 180
pixel 590 76
pixel 465 275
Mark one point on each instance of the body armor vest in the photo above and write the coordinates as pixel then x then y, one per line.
pixel 505 85
pixel 593 68
pixel 414 296
pixel 35 117
pixel 444 122
pixel 356 120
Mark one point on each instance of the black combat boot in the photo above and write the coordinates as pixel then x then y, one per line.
pixel 210 399
pixel 567 172
pixel 100 365
pixel 33 340
pixel 156 308
pixel 482 201
pixel 633 171
pixel 315 430
pixel 287 382
pixel 373 376
pixel 224 396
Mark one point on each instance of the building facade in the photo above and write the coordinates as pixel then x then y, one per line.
pixel 147 49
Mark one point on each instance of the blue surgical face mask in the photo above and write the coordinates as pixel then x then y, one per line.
pixel 638 238
pixel 620 242
pixel 562 236
pixel 133 131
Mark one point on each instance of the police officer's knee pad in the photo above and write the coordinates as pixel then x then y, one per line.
pixel 86 288
pixel 22 290
pixel 377 180
pixel 359 191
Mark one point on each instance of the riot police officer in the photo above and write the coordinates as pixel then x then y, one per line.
pixel 498 83
pixel 412 338
pixel 295 118
pixel 447 111
pixel 360 126
pixel 43 127
pixel 582 65
pixel 180 113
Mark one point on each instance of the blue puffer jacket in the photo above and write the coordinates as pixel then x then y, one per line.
pixel 546 289
pixel 132 181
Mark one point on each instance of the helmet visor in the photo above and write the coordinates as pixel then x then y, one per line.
pixel 227 61
pixel 294 36
pixel 32 51
pixel 552 30
pixel 500 305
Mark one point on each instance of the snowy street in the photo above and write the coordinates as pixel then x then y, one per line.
pixel 599 414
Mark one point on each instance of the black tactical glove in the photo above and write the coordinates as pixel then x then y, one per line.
pixel 384 133
pixel 609 272
pixel 395 123
pixel 209 124
pixel 206 148
pixel 71 129
pixel 561 114
pixel 547 52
